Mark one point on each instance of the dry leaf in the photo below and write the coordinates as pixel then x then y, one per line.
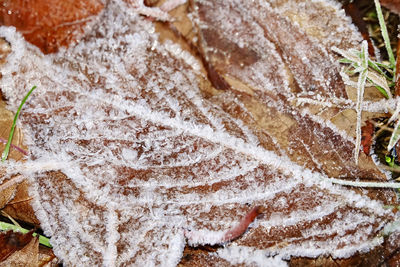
pixel 19 207
pixel 14 197
pixel 50 24
pixel 392 5
pixel 18 249
pixel 275 60
pixel 130 162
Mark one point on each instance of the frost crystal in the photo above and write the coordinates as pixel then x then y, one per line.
pixel 141 156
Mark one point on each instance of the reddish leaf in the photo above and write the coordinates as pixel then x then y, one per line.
pixel 367 135
pixel 49 24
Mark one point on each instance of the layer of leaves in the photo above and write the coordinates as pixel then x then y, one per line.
pixel 50 24
pixel 134 147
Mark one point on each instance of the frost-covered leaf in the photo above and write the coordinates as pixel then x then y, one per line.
pixel 276 55
pixel 135 156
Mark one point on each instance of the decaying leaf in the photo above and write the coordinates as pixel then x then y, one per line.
pixel 393 5
pixel 23 250
pixel 14 196
pixel 50 24
pixel 18 249
pixel 129 161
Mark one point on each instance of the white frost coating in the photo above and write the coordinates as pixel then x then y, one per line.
pixel 360 95
pixel 112 236
pixel 248 255
pixel 145 156
pixel 329 124
pixel 176 247
pixel 383 105
pixel 204 237
pixel 171 4
pixel 177 51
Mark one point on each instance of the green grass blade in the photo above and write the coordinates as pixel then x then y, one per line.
pixel 8 226
pixel 395 136
pixel 376 66
pixel 380 89
pixel 360 95
pixel 10 137
pixel 345 60
pixel 383 65
pixel 385 34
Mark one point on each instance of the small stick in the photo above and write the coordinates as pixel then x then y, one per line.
pixel 4 141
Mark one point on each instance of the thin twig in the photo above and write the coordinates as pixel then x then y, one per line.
pixel 364 184
pixel 4 141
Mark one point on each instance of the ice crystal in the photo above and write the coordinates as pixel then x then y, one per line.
pixel 137 156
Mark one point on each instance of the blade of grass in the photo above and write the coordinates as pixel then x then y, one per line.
pixel 396 79
pixel 385 34
pixel 380 82
pixel 380 89
pixel 375 66
pixel 8 226
pixel 10 137
pixel 395 136
pixel 360 95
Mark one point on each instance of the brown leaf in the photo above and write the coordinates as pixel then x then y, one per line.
pixel 49 24
pixel 393 5
pixel 20 207
pixel 261 59
pixel 14 197
pixel 127 154
pixel 47 257
pixel 18 249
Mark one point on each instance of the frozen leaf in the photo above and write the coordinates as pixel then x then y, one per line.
pixel 274 64
pixel 14 197
pixel 136 156
pixel 51 24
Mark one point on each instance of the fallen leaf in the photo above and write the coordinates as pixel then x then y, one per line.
pixel 50 24
pixel 14 195
pixel 280 65
pixel 19 207
pixel 18 249
pixel 392 5
pixel 367 134
pixel 127 154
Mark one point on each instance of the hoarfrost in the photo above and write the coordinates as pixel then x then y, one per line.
pixel 138 154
